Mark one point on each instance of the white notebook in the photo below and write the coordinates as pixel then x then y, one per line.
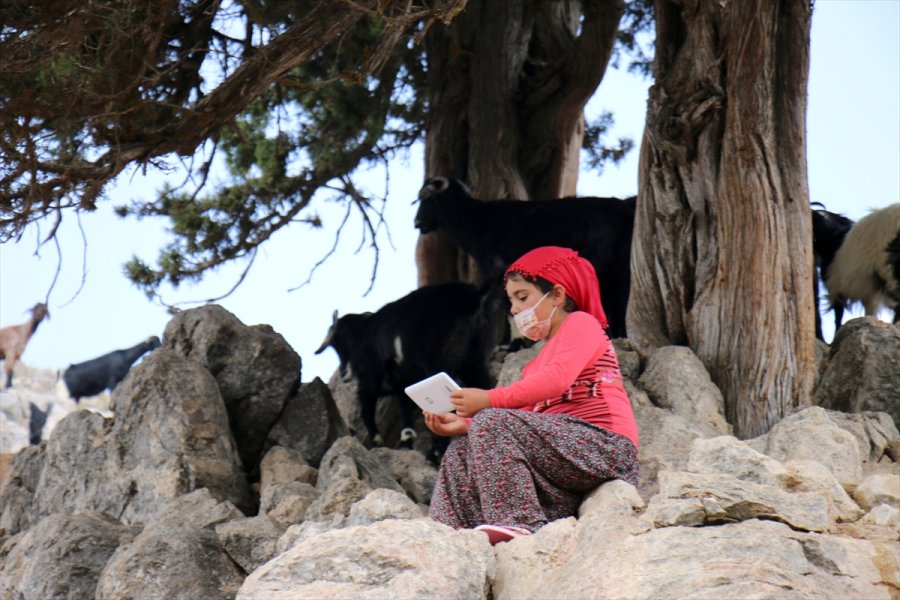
pixel 433 394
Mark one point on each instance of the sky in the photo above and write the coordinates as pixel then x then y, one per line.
pixel 853 137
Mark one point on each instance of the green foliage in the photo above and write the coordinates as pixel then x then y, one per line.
pixel 89 88
pixel 594 144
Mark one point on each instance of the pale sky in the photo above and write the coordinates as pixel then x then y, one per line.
pixel 854 166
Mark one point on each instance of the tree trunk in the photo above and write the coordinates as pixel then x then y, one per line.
pixel 508 82
pixel 722 256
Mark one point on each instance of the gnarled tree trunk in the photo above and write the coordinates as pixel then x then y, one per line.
pixel 508 85
pixel 722 256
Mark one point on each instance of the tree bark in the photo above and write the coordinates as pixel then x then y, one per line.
pixel 508 85
pixel 722 256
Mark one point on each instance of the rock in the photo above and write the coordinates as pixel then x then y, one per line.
pixel 884 516
pixel 536 566
pixel 874 431
pixel 310 423
pixel 410 469
pixel 629 358
pixel 349 458
pixel 612 497
pixel 5 467
pixel 387 412
pixel 250 542
pixel 17 496
pixel 879 488
pixel 338 498
pixel 722 498
pixel 523 562
pixel 675 379
pixel 612 558
pixel 345 398
pixel 255 369
pixel 388 559
pixel 178 554
pixel 284 465
pixel 863 373
pixel 514 362
pixel 727 455
pixel 170 436
pixel 288 502
pixel 811 435
pixel 61 556
pixel 666 440
pixel 812 476
pixel 382 504
pixel 892 450
pixel 305 530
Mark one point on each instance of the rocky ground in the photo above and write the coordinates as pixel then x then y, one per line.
pixel 213 472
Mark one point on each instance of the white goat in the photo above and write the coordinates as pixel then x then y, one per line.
pixel 862 270
pixel 14 338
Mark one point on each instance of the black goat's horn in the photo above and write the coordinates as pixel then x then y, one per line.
pixel 435 185
pixel 330 335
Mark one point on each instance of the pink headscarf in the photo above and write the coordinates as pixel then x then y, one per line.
pixel 563 266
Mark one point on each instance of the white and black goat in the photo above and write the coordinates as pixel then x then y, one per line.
pixel 14 338
pixel 91 377
pixel 829 230
pixel 441 327
pixel 865 265
pixel 496 232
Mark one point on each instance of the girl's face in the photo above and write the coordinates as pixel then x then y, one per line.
pixel 524 294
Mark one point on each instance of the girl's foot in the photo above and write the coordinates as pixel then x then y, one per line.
pixel 501 533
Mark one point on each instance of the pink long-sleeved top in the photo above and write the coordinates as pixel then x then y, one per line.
pixel 576 373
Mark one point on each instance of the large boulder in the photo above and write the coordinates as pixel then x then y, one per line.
pixel 347 474
pixel 388 559
pixel 863 372
pixel 176 555
pixel 170 436
pixel 255 368
pixel 17 495
pixel 618 556
pixel 61 556
pixel 675 379
pixel 309 423
pixel 811 434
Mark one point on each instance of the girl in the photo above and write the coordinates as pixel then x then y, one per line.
pixel 526 453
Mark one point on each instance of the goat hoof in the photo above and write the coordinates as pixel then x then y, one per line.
pixel 407 438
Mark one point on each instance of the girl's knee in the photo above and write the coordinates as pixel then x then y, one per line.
pixel 489 419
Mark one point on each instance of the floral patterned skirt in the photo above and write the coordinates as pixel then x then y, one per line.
pixel 525 469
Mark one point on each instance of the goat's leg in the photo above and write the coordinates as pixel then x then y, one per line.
pixel 368 403
pixel 838 308
pixel 408 414
pixel 9 372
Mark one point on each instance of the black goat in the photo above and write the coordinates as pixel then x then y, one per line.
pixel 104 372
pixel 829 231
pixel 497 232
pixel 442 327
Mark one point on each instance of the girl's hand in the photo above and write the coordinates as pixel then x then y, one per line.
pixel 469 401
pixel 446 425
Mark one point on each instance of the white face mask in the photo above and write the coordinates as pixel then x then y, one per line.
pixel 528 323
